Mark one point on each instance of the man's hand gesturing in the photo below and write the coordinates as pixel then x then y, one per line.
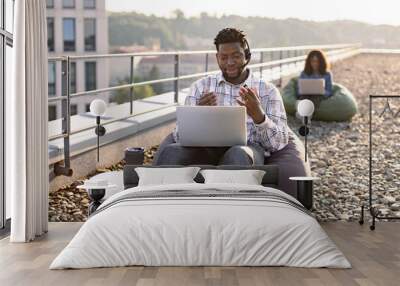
pixel 251 100
pixel 208 98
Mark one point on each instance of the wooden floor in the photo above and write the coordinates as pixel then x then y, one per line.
pixel 375 257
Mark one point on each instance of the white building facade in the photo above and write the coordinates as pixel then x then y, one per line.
pixel 77 28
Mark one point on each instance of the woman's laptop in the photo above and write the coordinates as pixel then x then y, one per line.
pixel 211 126
pixel 311 86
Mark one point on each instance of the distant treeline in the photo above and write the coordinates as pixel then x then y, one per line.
pixel 174 32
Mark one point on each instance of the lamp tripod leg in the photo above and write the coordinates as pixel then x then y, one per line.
pixel 305 147
pixel 98 136
pixel 361 221
pixel 98 147
pixel 305 137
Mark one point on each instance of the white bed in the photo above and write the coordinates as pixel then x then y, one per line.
pixel 189 231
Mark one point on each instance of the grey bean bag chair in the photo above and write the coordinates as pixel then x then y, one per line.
pixel 341 106
pixel 290 161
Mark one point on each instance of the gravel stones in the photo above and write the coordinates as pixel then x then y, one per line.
pixel 338 151
pixel 71 204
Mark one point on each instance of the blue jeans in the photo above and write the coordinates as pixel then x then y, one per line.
pixel 172 153
pixel 290 159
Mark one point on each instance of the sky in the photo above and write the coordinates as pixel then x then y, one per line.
pixel 369 11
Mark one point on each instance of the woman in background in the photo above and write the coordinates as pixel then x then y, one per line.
pixel 317 67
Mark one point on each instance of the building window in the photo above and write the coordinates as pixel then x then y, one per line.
pixel 52 78
pixel 50 34
pixel 90 34
pixel 74 109
pixel 50 4
pixel 52 112
pixel 87 107
pixel 90 76
pixel 69 4
pixel 69 34
pixel 72 77
pixel 89 4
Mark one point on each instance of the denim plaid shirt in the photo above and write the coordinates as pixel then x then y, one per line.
pixel 272 134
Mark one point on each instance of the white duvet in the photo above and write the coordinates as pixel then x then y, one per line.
pixel 200 231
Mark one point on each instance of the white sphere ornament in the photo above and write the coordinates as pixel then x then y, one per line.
pixel 98 107
pixel 305 108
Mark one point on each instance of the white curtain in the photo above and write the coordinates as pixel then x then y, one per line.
pixel 26 124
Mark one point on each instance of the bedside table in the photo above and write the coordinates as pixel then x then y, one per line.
pixel 96 189
pixel 113 177
pixel 305 190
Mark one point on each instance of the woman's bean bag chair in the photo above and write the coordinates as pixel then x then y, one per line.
pixel 341 106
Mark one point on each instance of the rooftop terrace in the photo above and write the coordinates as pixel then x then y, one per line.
pixel 339 151
pixel 72 136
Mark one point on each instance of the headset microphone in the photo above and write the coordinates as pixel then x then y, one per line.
pixel 247 53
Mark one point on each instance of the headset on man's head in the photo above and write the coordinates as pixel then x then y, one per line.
pixel 247 53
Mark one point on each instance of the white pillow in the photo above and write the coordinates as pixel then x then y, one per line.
pixel 164 176
pixel 248 177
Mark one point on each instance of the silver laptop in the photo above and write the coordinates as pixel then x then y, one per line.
pixel 212 126
pixel 311 86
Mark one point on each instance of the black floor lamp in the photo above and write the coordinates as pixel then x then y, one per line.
pixel 98 108
pixel 305 108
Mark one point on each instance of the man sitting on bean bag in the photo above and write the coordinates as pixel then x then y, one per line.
pixel 270 141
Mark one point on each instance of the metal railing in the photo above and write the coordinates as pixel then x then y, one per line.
pixel 278 57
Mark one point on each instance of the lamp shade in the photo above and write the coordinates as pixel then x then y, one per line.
pixel 305 108
pixel 98 107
